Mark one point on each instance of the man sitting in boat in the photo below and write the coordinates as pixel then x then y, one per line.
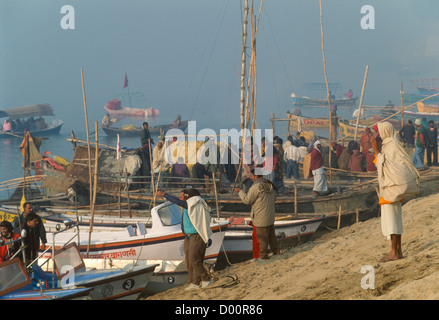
pixel 349 94
pixel 7 127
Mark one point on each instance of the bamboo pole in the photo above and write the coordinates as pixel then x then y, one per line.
pixel 327 90
pixel 402 108
pixel 120 187
pixel 361 102
pixel 339 217
pixel 150 161
pixel 243 62
pixel 88 137
pixel 295 200
pixel 92 204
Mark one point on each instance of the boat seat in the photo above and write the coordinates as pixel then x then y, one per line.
pixel 40 274
pixel 131 231
pixel 141 227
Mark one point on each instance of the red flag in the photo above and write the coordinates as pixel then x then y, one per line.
pixel 125 81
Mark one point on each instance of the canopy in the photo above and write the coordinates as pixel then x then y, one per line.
pixel 36 110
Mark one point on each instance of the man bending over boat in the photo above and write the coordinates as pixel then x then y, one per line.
pixel 196 227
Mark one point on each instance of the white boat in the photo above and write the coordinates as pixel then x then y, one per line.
pixel 238 244
pixel 107 284
pixel 161 243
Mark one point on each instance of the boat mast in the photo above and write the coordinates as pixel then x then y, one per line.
pixel 243 62
pixel 327 91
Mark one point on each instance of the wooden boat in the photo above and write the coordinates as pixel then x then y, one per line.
pixel 39 110
pixel 309 102
pixel 131 131
pixel 107 284
pixel 289 231
pixel 430 112
pixel 132 112
pixel 15 284
pixel 409 98
pixel 428 109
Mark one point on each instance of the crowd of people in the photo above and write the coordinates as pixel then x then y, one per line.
pixel 31 124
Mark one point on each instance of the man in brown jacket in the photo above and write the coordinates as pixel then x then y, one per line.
pixel 262 196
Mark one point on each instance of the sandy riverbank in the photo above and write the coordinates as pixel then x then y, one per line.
pixel 329 267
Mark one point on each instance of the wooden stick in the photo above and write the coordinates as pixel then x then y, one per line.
pixel 402 108
pixel 339 217
pixel 92 205
pixel 327 90
pixel 361 102
pixel 150 161
pixel 216 195
pixel 295 200
pixel 88 137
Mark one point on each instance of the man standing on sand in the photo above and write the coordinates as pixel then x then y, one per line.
pixel 397 179
pixel 320 185
pixel 196 227
pixel 262 196
pixel 420 144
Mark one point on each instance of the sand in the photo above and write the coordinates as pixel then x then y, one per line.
pixel 329 267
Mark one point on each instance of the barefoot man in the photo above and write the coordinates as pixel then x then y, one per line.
pixel 397 179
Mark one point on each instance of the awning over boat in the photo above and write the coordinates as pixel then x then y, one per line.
pixel 36 110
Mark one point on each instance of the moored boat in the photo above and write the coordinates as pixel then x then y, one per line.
pixel 15 284
pixel 309 102
pixel 131 131
pixel 107 284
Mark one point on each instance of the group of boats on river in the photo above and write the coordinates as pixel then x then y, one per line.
pixel 127 243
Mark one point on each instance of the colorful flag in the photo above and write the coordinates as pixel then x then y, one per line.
pixel 119 154
pixel 125 81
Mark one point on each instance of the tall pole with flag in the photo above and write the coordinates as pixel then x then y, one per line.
pixel 125 85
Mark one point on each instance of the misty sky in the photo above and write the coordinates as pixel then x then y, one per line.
pixel 185 56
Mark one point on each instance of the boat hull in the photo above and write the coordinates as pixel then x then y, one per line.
pixel 53 128
pixel 238 243
pixel 308 102
pixel 110 131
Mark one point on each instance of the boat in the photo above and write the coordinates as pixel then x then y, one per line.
pixel 162 243
pixel 38 110
pixel 411 98
pixel 132 112
pixel 238 244
pixel 107 284
pixel 15 284
pixel 117 107
pixel 302 101
pixel 430 112
pixel 131 130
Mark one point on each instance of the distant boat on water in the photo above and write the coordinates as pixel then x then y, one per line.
pixel 36 127
pixel 334 89
pixel 309 102
pixel 131 130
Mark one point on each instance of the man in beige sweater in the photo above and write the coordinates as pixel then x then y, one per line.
pixel 262 197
